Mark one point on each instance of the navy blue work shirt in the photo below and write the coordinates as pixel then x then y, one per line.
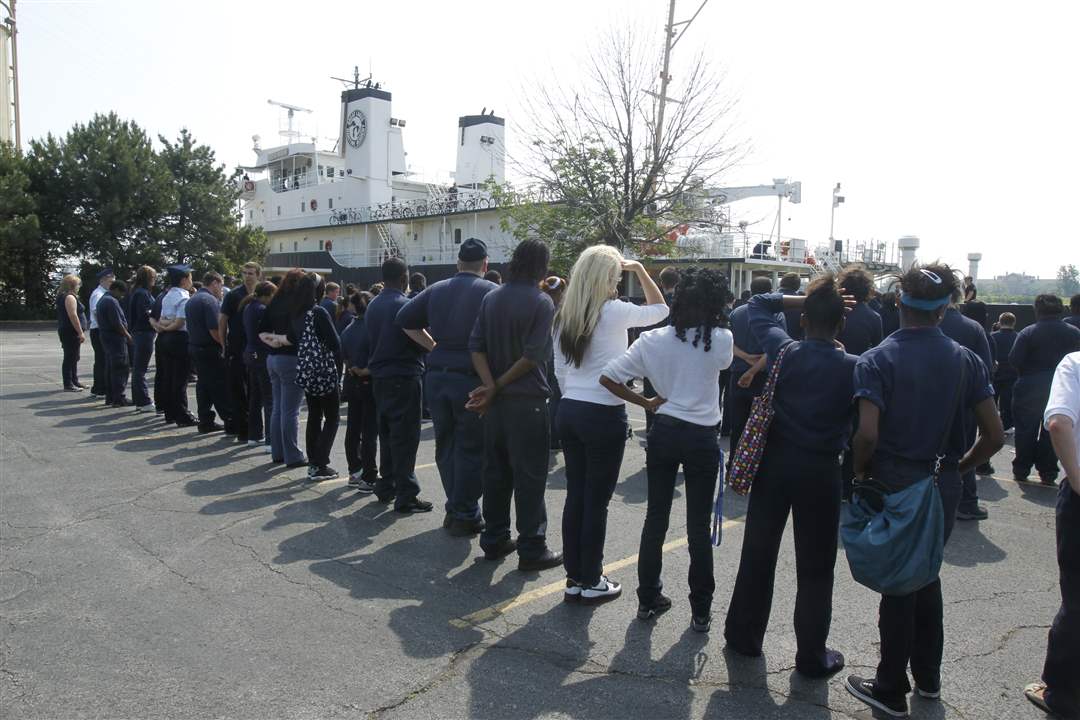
pixel 745 340
pixel 329 306
pixel 969 334
pixel 515 322
pixel 1073 320
pixel 862 329
pixel 793 320
pixel 813 397
pixel 448 309
pixel 1001 345
pixel 252 314
pixel 392 352
pixel 912 378
pixel 890 319
pixel 155 309
pixel 1040 347
pixel 111 322
pixel 230 308
pixel 201 316
pixel 354 344
pixel 140 303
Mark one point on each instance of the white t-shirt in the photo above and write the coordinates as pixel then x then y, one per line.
pixel 175 303
pixel 608 342
pixel 98 293
pixel 687 376
pixel 1065 393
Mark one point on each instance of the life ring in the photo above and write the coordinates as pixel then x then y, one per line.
pixel 249 186
pixel 314 204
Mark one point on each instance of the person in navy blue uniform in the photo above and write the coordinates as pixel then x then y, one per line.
pixel 747 380
pixel 510 345
pixel 789 285
pixel 396 363
pixel 1074 311
pixel 115 339
pixel 140 305
pixel 862 326
pixel 799 475
pixel 234 336
pixel 905 388
pixel 971 335
pixel 1001 345
pixel 362 428
pixel 890 314
pixel 71 325
pixel 207 353
pixel 260 393
pixel 329 302
pixel 440 319
pixel 1035 354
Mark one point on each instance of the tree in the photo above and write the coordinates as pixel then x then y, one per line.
pixel 102 194
pixel 201 226
pixel 604 173
pixel 25 260
pixel 1068 280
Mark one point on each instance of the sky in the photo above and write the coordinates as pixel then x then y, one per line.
pixel 954 121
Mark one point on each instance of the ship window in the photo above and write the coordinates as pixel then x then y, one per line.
pixel 301 206
pixel 281 247
pixel 279 210
pixel 457 236
pixel 321 245
pixel 294 246
pixel 329 171
pixel 341 173
pixel 331 203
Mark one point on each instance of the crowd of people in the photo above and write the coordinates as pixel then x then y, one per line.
pixel 863 388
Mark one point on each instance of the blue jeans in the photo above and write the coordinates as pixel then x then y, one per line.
pixel 140 361
pixel 459 440
pixel 593 438
pixel 672 443
pixel 285 417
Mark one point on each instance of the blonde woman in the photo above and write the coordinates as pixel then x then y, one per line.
pixel 590 331
pixel 71 324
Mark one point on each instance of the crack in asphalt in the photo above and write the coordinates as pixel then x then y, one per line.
pixel 1001 643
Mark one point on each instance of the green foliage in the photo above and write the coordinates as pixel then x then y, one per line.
pixel 25 260
pixel 101 196
pixel 1068 280
pixel 102 193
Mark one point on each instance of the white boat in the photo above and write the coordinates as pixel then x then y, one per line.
pixel 344 211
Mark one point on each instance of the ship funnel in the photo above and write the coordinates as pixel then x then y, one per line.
pixel 908 245
pixel 481 152
pixel 973 265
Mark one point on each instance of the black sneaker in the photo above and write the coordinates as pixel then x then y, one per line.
pixel 465 528
pixel 322 473
pixel 866 691
pixel 985 469
pixel 1048 480
pixel 834 663
pixel 414 506
pixel 658 607
pixel 297 464
pixel 212 427
pixel 979 513
pixel 701 624
pixel 362 486
pixel 545 562
pixel 601 592
pixel 501 550
pixel 929 693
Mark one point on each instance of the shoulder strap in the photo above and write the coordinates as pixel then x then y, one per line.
pixel 774 373
pixel 955 405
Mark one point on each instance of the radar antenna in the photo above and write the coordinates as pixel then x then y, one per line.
pixel 291 132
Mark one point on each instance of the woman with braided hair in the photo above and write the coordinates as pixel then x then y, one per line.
pixel 683 361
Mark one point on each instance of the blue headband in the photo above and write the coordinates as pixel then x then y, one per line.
pixel 920 304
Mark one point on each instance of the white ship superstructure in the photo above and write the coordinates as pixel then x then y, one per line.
pixel 343 211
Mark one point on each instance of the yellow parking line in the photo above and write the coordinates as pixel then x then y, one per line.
pixel 1036 483
pixel 490 613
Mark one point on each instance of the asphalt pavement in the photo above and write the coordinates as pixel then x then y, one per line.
pixel 148 571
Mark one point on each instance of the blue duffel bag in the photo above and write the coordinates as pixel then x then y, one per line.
pixel 898 549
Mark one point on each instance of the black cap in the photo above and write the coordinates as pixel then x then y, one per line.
pixel 472 250
pixel 105 272
pixel 177 272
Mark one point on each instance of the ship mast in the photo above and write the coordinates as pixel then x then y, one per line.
pixel 671 38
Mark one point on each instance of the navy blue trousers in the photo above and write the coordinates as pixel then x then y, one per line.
pixel 459 440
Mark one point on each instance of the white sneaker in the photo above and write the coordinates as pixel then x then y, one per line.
pixel 255 443
pixel 148 408
pixel 1010 431
pixel 601 592
pixel 268 450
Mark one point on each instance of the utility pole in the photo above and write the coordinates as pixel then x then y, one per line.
pixel 9 5
pixel 670 40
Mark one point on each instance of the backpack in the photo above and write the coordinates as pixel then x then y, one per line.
pixel 316 371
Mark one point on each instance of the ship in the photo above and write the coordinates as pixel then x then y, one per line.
pixel 342 212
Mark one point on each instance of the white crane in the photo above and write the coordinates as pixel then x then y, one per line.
pixel 780 188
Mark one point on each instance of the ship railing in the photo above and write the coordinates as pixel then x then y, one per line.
pixel 374 257
pixel 448 202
